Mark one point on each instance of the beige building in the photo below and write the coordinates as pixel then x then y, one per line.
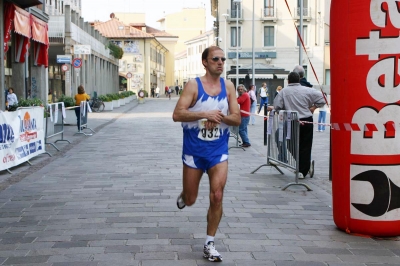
pixel 276 44
pixel 194 49
pixel 186 24
pixel 144 64
pixel 181 67
pixel 166 40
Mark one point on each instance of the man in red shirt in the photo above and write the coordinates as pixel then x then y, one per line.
pixel 244 103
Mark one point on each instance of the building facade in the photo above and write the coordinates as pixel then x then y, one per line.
pixel 23 63
pixel 276 43
pixel 144 64
pixel 186 24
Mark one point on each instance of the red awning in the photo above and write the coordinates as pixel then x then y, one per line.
pixel 8 23
pixel 22 22
pixel 40 31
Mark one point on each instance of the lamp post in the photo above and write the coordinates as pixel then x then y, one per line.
pixel 225 42
pixel 301 34
pixel 237 2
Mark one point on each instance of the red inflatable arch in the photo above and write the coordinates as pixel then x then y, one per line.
pixel 365 95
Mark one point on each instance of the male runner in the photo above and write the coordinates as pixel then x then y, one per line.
pixel 206 108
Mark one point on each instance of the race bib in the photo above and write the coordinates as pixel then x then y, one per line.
pixel 208 134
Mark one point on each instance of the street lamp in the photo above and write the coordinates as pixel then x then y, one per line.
pixel 237 3
pixel 225 41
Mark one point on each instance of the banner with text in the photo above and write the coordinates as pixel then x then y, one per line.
pixel 21 136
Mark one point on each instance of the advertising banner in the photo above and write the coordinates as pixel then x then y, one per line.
pixel 21 136
pixel 365 95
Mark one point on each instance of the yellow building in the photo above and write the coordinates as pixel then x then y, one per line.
pixel 144 64
pixel 186 24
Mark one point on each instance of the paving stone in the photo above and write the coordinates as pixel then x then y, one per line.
pixel 25 260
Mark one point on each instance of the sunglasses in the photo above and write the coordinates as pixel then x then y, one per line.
pixel 216 58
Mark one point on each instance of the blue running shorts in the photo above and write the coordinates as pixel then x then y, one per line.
pixel 203 163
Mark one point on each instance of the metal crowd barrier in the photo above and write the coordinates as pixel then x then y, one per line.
pixel 83 121
pixel 234 133
pixel 55 113
pixel 283 144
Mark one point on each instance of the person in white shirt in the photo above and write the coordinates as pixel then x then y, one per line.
pixel 157 92
pixel 322 117
pixel 11 98
pixel 253 105
pixel 263 96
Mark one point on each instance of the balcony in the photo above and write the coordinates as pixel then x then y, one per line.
pixel 235 14
pixel 268 14
pixel 306 13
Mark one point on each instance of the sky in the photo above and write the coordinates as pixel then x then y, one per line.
pixel 154 9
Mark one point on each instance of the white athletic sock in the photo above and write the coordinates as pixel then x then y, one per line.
pixel 208 239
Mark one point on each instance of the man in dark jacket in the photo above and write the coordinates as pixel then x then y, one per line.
pixel 303 81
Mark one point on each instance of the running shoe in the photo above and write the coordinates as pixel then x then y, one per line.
pixel 301 176
pixel 180 203
pixel 211 253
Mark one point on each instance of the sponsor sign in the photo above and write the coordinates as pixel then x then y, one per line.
pixel 21 136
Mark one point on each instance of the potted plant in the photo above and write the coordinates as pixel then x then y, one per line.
pixel 115 99
pixel 108 103
pixel 121 98
pixel 69 104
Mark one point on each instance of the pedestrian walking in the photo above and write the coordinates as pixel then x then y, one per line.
pixel 12 100
pixel 263 96
pixel 157 92
pixel 79 97
pixel 322 117
pixel 206 108
pixel 244 103
pixel 253 106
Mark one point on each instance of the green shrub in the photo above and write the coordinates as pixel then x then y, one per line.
pixel 30 102
pixel 115 50
pixel 105 98
pixel 113 96
pixel 68 101
pixel 121 95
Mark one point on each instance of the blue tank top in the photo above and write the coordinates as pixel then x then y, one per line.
pixel 198 141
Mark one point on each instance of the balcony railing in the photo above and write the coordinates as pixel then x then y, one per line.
pixel 56 27
pixel 306 12
pixel 235 15
pixel 269 12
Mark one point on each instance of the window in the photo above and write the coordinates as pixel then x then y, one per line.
pixel 234 36
pixel 269 36
pixel 327 77
pixel 269 8
pixel 304 36
pixel 305 8
pixel 235 8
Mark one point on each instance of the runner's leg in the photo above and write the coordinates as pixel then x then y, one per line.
pixel 218 175
pixel 191 181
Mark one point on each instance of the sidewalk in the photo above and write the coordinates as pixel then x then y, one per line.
pixel 110 199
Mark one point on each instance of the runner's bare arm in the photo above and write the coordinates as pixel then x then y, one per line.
pixel 233 119
pixel 187 99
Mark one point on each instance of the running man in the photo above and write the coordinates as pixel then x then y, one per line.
pixel 206 108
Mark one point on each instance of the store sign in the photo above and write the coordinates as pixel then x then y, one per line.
pixel 232 55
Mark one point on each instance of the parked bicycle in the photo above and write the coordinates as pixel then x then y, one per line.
pixel 96 105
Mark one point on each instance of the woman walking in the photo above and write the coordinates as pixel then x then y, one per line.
pixel 253 105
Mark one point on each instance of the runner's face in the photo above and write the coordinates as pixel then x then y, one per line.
pixel 215 67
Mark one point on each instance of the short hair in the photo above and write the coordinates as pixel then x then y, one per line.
pixel 81 90
pixel 11 88
pixel 264 84
pixel 207 51
pixel 251 87
pixel 300 70
pixel 294 77
pixel 278 88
